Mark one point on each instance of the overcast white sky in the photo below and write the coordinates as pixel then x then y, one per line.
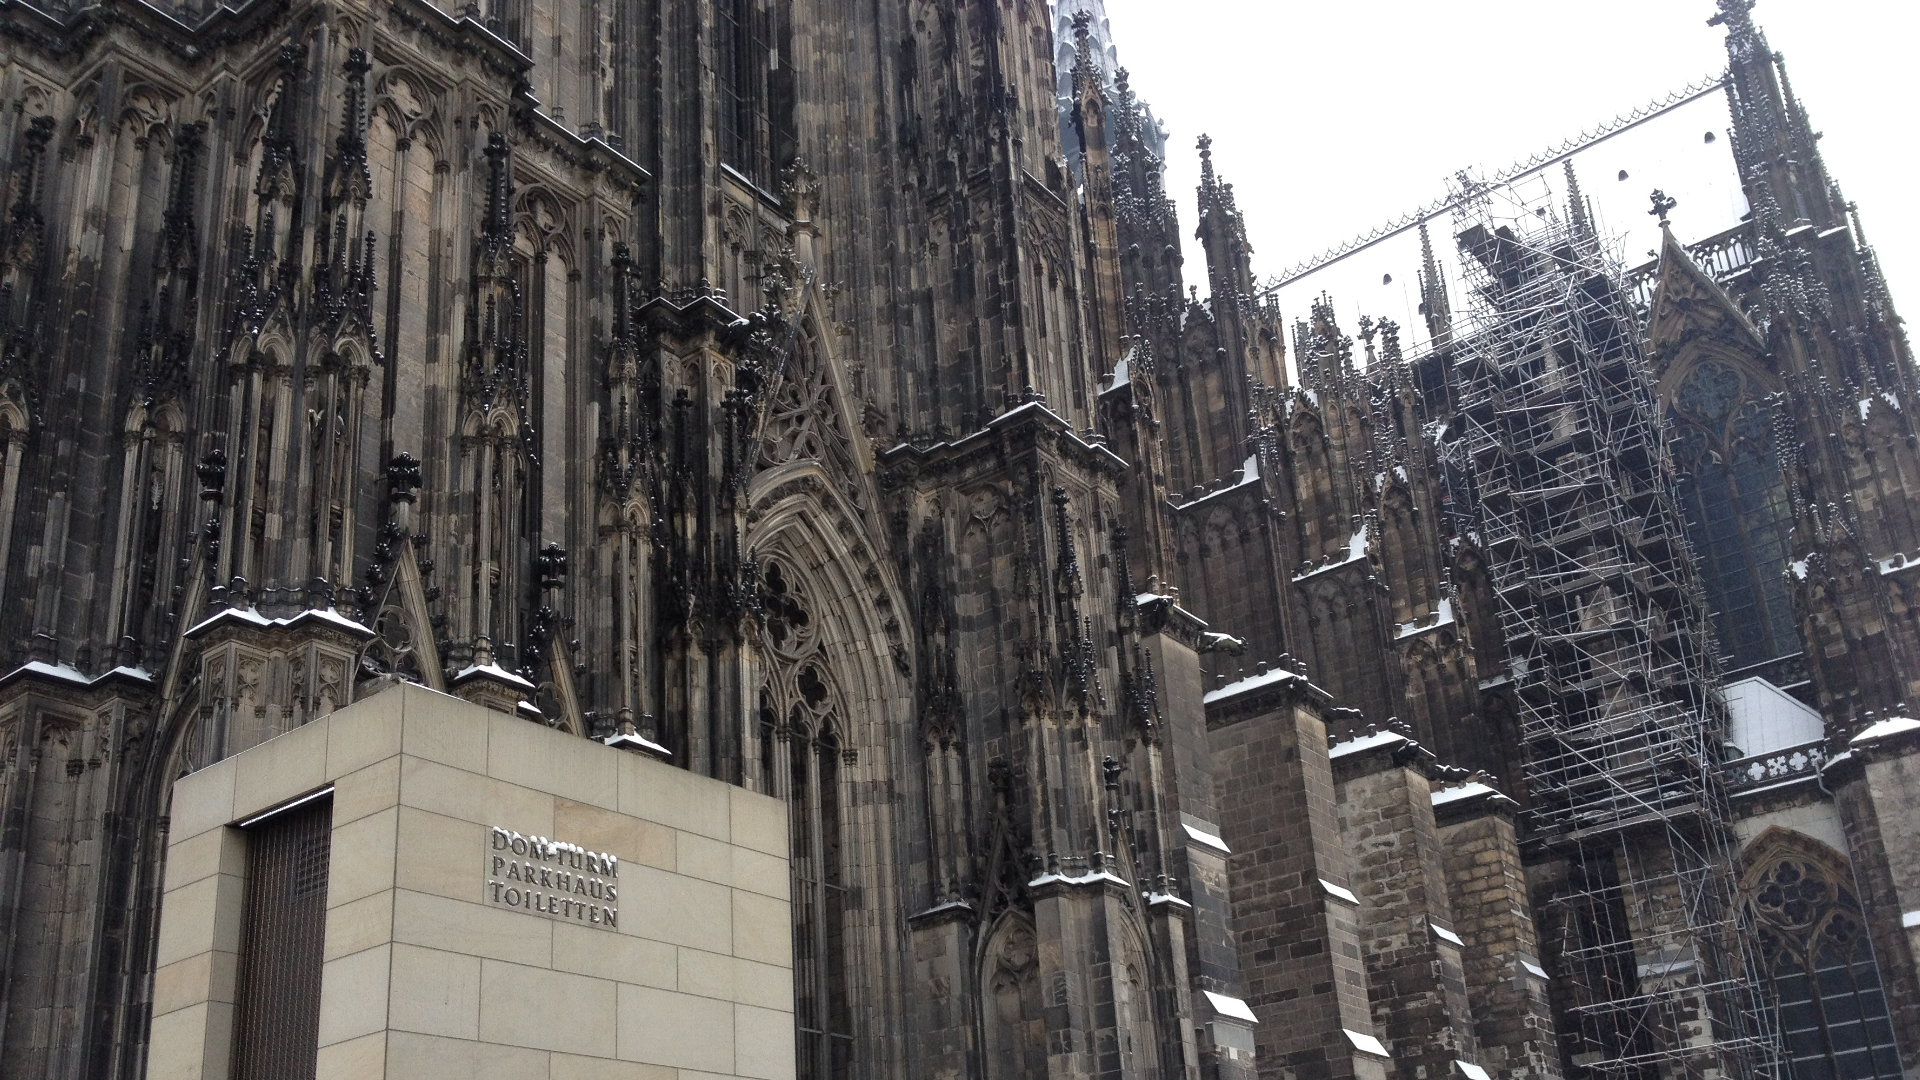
pixel 1332 116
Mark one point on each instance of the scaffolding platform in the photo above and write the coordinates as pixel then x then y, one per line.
pixel 1556 454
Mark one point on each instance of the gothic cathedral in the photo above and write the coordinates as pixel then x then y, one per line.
pixel 811 395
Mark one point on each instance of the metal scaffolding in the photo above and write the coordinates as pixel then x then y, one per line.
pixel 1556 439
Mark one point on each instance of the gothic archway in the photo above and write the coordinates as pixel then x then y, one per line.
pixel 1832 1009
pixel 828 696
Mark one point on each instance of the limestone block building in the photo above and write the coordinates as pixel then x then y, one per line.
pixel 811 395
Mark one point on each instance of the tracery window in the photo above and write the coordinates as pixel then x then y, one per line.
pixel 800 755
pixel 1832 1010
pixel 755 97
pixel 1738 516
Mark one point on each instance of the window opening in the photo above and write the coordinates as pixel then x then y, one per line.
pixel 1738 516
pixel 800 761
pixel 1832 1009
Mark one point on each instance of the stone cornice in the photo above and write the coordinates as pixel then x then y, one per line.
pixel 1376 753
pixel 1028 426
pixel 191 42
pixel 1264 693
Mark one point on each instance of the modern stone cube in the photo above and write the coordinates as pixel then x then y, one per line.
pixel 674 960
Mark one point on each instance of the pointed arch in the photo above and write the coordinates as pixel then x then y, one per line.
pixel 1718 392
pixel 1832 1007
pixel 1011 1008
pixel 829 700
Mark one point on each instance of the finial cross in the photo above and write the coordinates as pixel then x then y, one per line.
pixel 1662 203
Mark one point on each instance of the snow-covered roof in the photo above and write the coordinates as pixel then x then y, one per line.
pixel 1892 725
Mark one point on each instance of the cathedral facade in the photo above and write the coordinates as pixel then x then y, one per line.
pixel 811 395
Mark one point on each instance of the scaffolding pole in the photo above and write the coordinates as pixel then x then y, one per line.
pixel 1557 441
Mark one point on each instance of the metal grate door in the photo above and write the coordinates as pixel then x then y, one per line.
pixel 277 1030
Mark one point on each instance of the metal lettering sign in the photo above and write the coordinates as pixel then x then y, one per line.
pixel 548 877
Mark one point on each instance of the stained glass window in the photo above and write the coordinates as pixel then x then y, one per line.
pixel 1834 1023
pixel 1738 517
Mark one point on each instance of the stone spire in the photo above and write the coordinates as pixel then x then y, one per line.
pixel 1772 138
pixel 1433 294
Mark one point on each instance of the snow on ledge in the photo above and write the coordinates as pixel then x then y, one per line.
pixel 637 742
pixel 249 615
pixel 1445 934
pixel 1442 617
pixel 53 671
pixel 1339 893
pixel 1250 683
pixel 1366 1044
pixel 1250 474
pixel 493 671
pixel 1356 549
pixel 1897 562
pixel 1366 742
pixel 1892 725
pixel 1078 879
pixel 69 674
pixel 1230 1006
pixel 942 906
pixel 253 616
pixel 1206 839
pixel 1471 790
pixel 1471 1071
